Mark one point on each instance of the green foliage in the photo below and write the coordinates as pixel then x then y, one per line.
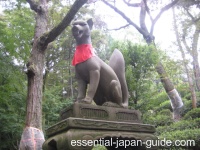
pixel 12 103
pixel 181 125
pixel 99 42
pixel 186 135
pixel 187 106
pixel 99 147
pixel 183 90
pixel 53 103
pixel 140 61
pixel 160 115
pixel 155 100
pixel 194 113
pixel 166 128
pixel 164 105
pixel 158 119
pixel 17 32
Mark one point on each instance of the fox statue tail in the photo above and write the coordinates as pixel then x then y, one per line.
pixel 117 63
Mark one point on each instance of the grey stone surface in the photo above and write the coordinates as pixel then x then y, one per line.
pixel 81 123
pixel 80 110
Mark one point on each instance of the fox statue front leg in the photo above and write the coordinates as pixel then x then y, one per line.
pixel 82 86
pixel 92 87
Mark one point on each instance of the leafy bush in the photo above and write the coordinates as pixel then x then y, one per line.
pixel 194 113
pixel 187 135
pixel 183 90
pixel 161 120
pixel 186 129
pixel 164 105
pixel 187 107
pixel 155 100
pixel 187 96
pixel 158 119
pixel 165 112
pixel 181 125
pixel 198 95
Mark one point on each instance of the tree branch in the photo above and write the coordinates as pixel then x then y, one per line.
pixel 133 4
pixel 147 10
pixel 34 6
pixel 91 1
pixel 189 14
pixel 125 17
pixel 195 39
pixel 121 27
pixel 142 18
pixel 185 43
pixel 48 37
pixel 161 12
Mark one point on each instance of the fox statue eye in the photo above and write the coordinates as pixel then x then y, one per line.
pixel 82 24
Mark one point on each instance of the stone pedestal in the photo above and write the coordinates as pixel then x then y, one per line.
pixel 83 126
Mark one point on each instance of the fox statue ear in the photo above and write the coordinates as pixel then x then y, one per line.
pixel 90 23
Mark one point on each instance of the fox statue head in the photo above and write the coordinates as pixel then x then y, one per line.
pixel 81 31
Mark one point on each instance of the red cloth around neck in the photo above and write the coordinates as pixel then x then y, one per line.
pixel 83 52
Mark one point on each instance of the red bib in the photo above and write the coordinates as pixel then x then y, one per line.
pixel 83 52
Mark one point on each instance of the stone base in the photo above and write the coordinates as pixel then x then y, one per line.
pixel 72 134
pixel 76 132
pixel 80 110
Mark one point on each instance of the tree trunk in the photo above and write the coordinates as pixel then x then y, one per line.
pixel 195 55
pixel 176 101
pixel 190 82
pixel 193 51
pixel 32 136
pixel 196 70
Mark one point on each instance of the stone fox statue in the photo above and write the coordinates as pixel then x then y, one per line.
pixel 102 82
